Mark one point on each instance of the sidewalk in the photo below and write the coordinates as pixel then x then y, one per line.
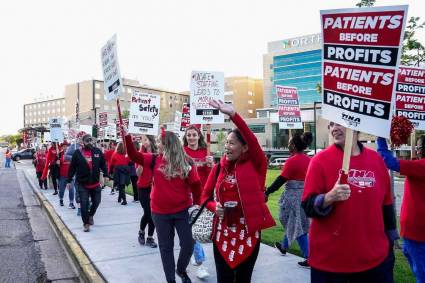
pixel 113 248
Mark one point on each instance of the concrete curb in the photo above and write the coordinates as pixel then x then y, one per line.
pixel 85 266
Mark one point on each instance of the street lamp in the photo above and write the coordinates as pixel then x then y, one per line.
pixel 315 125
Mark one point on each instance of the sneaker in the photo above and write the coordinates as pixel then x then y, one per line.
pixel 124 203
pixel 112 192
pixel 61 202
pixel 280 248
pixel 183 275
pixel 150 242
pixel 86 228
pixel 141 238
pixel 71 205
pixel 193 261
pixel 202 272
pixel 55 193
pixel 304 264
pixel 79 212
pixel 91 221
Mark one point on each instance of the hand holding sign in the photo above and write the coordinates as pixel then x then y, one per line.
pixel 223 107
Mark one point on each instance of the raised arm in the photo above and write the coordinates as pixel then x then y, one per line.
pixel 391 162
pixel 132 152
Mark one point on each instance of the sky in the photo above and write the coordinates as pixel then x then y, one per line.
pixel 48 44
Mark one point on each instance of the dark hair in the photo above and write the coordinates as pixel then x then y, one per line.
pixel 201 141
pixel 422 139
pixel 152 142
pixel 302 141
pixel 238 135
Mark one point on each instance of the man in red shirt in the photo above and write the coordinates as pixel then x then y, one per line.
pixel 353 227
pixel 412 222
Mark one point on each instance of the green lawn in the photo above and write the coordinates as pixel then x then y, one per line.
pixel 402 272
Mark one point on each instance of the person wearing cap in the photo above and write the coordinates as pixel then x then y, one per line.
pixel 86 164
pixel 63 175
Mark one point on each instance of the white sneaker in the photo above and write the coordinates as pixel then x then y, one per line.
pixel 193 261
pixel 202 272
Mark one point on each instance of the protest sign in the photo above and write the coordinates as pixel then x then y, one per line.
pixel 361 52
pixel 111 70
pixel 111 132
pixel 410 95
pixel 185 119
pixel 144 113
pixel 205 86
pixel 103 119
pixel 46 137
pixel 177 123
pixel 56 133
pixel 289 108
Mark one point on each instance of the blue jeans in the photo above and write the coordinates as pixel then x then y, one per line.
pixel 302 242
pixel 7 163
pixel 415 253
pixel 62 188
pixel 198 253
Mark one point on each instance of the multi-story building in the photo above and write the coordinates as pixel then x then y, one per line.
pixel 293 62
pixel 245 93
pixel 38 113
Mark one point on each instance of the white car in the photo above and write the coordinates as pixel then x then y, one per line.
pixel 278 162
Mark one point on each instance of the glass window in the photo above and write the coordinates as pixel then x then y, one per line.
pixel 250 102
pixel 97 85
pixel 97 96
pixel 63 109
pixel 106 107
pixel 257 128
pixel 250 111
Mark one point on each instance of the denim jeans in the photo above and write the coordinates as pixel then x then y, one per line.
pixel 415 253
pixel 87 195
pixel 62 188
pixel 7 163
pixel 302 242
pixel 198 253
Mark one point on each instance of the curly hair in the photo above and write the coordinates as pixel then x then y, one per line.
pixel 177 162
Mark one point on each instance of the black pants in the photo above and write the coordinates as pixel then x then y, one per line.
pixel 54 173
pixel 165 225
pixel 41 183
pixel 383 273
pixel 241 274
pixel 85 195
pixel 121 193
pixel 145 201
pixel 134 185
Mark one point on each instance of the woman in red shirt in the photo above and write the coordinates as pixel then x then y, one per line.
pixel 121 171
pixel 144 188
pixel 291 214
pixel 196 147
pixel 63 176
pixel 237 199
pixel 175 188
pixel 52 165
pixel 40 163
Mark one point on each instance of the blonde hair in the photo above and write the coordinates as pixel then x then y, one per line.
pixel 176 162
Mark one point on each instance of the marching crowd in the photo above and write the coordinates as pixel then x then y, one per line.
pixel 345 227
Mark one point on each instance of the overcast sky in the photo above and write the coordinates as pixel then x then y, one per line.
pixel 48 44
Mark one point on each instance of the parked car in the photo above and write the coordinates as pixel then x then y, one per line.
pixel 27 153
pixel 277 162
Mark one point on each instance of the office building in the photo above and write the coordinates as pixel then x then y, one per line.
pixel 245 93
pixel 38 113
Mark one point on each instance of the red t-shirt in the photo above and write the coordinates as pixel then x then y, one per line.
pixel 295 167
pixel 199 157
pixel 352 237
pixel 64 166
pixel 412 220
pixel 118 159
pixel 145 179
pixel 88 156
pixel 41 162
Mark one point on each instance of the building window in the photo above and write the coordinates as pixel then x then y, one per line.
pixel 129 90
pixel 256 129
pixel 63 109
pixel 97 85
pixel 97 96
pixel 106 107
pixel 250 111
pixel 63 102
pixel 48 111
pixel 250 102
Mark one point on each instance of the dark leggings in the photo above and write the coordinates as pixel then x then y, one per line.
pixel 166 225
pixel 121 193
pixel 145 201
pixel 134 185
pixel 241 274
pixel 41 183
pixel 54 173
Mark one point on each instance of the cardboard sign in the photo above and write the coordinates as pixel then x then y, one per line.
pixel 144 113
pixel 111 69
pixel 103 119
pixel 56 132
pixel 205 86
pixel 46 137
pixel 185 119
pixel 410 95
pixel 111 132
pixel 361 52
pixel 289 108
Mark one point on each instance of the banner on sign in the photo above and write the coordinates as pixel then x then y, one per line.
pixel 185 119
pixel 360 55
pixel 56 132
pixel 205 86
pixel 111 70
pixel 103 119
pixel 110 132
pixel 289 108
pixel 144 113
pixel 410 95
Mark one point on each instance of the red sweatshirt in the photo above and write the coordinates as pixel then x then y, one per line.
pixel 40 162
pixel 118 159
pixel 64 166
pixel 145 179
pixel 51 158
pixel 199 157
pixel 296 167
pixel 168 196
pixel 108 155
pixel 352 237
pixel 412 220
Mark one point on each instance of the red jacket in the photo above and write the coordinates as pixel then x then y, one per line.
pixel 108 155
pixel 199 156
pixel 40 162
pixel 168 196
pixel 412 222
pixel 250 172
pixel 145 179
pixel 51 158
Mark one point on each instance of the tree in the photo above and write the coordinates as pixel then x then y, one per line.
pixel 125 114
pixel 413 52
pixel 221 137
pixel 366 3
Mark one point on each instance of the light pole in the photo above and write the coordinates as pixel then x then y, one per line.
pixel 315 125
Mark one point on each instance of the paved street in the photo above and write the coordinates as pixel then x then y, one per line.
pixel 29 249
